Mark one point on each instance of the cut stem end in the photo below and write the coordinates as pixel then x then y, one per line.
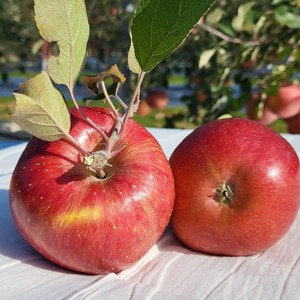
pixel 224 194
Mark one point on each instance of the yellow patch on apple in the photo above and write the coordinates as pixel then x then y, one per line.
pixel 84 215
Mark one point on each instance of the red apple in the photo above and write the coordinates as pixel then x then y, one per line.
pixel 157 99
pixel 286 103
pixel 85 223
pixel 249 64
pixel 144 109
pixel 201 96
pixel 267 118
pixel 237 187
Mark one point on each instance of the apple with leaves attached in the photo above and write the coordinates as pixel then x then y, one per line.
pixel 93 190
pixel 81 221
pixel 237 187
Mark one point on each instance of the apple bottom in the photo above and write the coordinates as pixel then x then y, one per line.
pixel 85 223
pixel 237 188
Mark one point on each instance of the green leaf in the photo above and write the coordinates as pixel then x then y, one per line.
pixel 260 23
pixel 206 56
pixel 225 25
pixel 133 63
pixel 40 109
pixel 160 26
pixel 225 116
pixel 64 22
pixel 285 16
pixel 214 16
pixel 243 20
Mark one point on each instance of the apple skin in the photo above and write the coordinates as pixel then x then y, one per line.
pixel 261 168
pixel 84 223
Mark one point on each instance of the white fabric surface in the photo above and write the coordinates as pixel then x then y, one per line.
pixel 169 271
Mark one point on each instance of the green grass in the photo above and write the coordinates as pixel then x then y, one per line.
pixel 279 126
pixel 18 74
pixel 6 108
pixel 6 100
pixel 178 79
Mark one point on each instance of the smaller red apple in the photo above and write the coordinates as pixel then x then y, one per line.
pixel 237 187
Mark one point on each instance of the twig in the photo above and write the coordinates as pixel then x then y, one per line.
pixel 86 118
pixel 229 39
pixel 115 112
pixel 99 159
pixel 75 143
pixel 124 105
pixel 134 99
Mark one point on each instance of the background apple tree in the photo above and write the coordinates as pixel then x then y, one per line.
pixel 240 49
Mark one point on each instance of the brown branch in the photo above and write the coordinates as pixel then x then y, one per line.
pixel 229 39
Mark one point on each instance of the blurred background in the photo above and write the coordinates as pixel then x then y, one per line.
pixel 242 59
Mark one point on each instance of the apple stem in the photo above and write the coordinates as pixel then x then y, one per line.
pixel 134 101
pixel 121 102
pixel 224 194
pixel 101 174
pixel 115 112
pixel 86 118
pixel 120 124
pixel 99 159
pixel 76 143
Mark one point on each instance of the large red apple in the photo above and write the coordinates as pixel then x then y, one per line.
pixel 237 187
pixel 85 223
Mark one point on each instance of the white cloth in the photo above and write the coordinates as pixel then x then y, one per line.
pixel 169 271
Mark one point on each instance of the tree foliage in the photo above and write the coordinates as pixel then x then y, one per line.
pixel 17 30
pixel 241 48
pixel 252 45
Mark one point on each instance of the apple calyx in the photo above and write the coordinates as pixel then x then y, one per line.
pixel 224 193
